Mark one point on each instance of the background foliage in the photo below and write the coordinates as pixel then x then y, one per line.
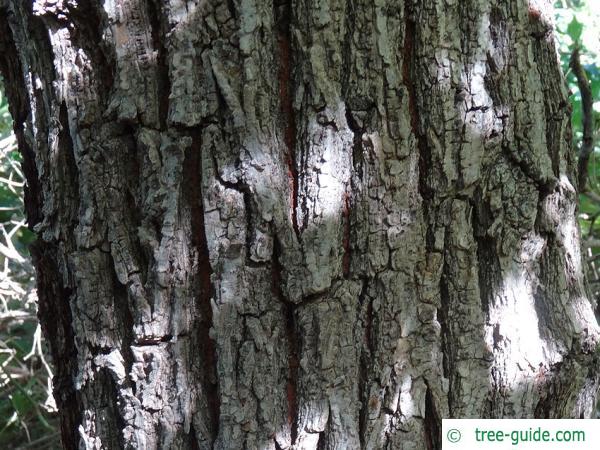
pixel 27 410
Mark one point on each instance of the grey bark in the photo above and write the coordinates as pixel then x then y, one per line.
pixel 299 224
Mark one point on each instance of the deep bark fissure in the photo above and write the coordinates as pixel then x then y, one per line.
pixel 433 421
pixel 366 355
pixel 292 385
pixel 426 170
pixel 90 20
pixel 545 185
pixel 293 344
pixel 128 339
pixel 55 316
pixel 283 17
pixel 446 335
pixel 487 261
pixel 105 387
pixel 353 186
pixel 426 165
pixel 346 217
pixel 66 163
pixel 154 8
pixel 204 289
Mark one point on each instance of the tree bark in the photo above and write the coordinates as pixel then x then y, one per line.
pixel 299 224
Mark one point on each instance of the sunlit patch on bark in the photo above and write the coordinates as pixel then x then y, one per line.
pixel 513 330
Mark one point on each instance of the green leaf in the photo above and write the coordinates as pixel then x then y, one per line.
pixel 21 403
pixel 575 29
pixel 595 83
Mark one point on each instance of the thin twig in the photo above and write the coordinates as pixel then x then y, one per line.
pixel 42 440
pixel 592 195
pixel 587 117
pixel 592 243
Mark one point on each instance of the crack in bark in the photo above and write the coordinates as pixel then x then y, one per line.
pixel 67 165
pixel 346 258
pixel 346 47
pixel 433 421
pixel 283 19
pixel 323 441
pixel 366 358
pixel 289 311
pixel 442 315
pixel 293 365
pixel 427 192
pixel 91 21
pixel 109 417
pixel 488 264
pixel 528 169
pixel 192 170
pixel 122 310
pixel 425 157
pixel 357 164
pixel 250 212
pixel 357 144
pixel 407 63
pixel 154 10
pixel 54 308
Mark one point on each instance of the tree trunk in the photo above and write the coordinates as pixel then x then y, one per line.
pixel 299 224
